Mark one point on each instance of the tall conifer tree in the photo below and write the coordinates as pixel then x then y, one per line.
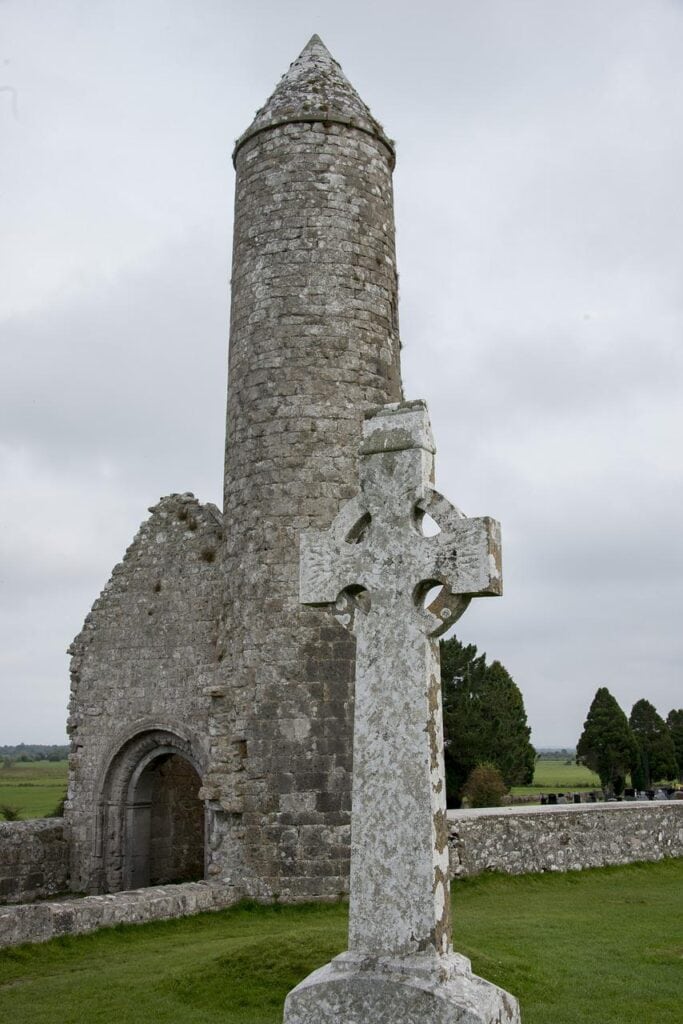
pixel 675 722
pixel 654 757
pixel 606 744
pixel 484 719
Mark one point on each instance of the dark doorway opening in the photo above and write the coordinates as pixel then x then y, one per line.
pixel 165 823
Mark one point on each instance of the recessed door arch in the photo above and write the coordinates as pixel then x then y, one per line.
pixel 152 822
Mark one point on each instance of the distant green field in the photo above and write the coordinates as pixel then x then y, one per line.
pixel 560 774
pixel 559 777
pixel 34 787
pixel 601 945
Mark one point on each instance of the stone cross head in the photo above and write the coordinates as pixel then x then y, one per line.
pixel 376 552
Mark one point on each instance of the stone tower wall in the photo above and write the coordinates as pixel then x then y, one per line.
pixel 313 343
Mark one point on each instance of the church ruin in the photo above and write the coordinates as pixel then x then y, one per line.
pixel 211 713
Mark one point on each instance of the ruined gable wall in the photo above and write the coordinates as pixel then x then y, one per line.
pixel 142 661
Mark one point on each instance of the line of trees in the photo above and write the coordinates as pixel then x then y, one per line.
pixel 35 752
pixel 484 719
pixel 644 745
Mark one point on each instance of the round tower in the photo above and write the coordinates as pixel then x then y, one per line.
pixel 313 343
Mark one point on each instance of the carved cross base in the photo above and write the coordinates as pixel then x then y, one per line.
pixel 418 989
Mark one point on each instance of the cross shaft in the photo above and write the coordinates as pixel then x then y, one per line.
pixel 374 567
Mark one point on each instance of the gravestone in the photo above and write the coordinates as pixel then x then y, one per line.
pixel 376 570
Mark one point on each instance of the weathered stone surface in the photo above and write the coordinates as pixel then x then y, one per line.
pixel 374 568
pixel 139 669
pixel 418 989
pixel 198 648
pixel 528 840
pixel 39 922
pixel 315 89
pixel 516 841
pixel 377 565
pixel 313 343
pixel 34 859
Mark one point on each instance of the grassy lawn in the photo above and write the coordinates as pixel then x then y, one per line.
pixel 34 787
pixel 603 946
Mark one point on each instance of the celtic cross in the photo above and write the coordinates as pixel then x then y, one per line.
pixel 376 569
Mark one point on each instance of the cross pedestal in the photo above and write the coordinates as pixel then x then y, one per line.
pixel 398 590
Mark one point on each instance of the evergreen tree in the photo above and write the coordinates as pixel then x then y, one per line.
pixel 606 744
pixel 484 719
pixel 675 722
pixel 654 756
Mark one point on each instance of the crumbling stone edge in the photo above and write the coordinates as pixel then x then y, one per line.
pixel 34 860
pixel 39 922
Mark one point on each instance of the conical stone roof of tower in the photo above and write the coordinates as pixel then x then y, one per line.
pixel 314 89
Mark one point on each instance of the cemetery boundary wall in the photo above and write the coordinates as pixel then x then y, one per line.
pixel 34 859
pixel 527 840
pixel 517 841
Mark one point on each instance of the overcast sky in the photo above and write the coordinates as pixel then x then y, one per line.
pixel 540 246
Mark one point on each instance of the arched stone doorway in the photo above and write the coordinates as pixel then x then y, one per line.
pixel 165 833
pixel 152 820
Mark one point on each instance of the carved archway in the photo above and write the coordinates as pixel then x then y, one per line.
pixel 151 823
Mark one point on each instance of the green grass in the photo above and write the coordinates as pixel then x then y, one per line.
pixel 603 946
pixel 564 776
pixel 34 787
pixel 558 777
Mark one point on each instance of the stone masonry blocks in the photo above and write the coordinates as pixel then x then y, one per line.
pixel 313 344
pixel 140 667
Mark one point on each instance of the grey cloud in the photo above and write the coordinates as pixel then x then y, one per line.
pixel 134 373
pixel 540 243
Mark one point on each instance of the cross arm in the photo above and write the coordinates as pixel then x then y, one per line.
pixel 465 557
pixel 329 560
pixel 468 557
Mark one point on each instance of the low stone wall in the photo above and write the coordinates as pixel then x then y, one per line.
pixel 525 840
pixel 513 840
pixel 34 859
pixel 38 922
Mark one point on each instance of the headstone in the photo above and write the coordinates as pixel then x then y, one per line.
pixel 374 568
